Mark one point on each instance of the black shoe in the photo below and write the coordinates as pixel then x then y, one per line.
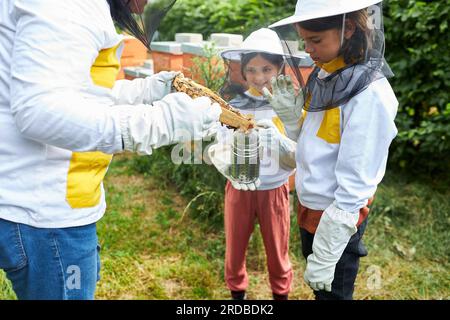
pixel 238 295
pixel 280 296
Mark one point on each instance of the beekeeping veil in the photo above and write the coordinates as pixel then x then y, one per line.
pixel 361 56
pixel 263 43
pixel 134 23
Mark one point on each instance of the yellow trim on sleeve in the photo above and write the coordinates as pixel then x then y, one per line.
pixel 88 169
pixel 86 173
pixel 106 67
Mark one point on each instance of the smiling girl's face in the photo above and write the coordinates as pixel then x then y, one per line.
pixel 259 71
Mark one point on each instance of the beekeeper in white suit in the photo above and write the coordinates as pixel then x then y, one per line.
pixel 62 116
pixel 343 134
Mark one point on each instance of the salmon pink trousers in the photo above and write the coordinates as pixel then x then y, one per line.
pixel 271 209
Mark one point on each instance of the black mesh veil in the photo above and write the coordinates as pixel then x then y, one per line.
pixel 135 24
pixel 360 58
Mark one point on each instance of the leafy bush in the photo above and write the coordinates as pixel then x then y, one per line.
pixel 417 49
pixel 424 148
pixel 209 69
pixel 217 16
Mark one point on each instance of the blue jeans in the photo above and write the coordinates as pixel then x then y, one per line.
pixel 50 264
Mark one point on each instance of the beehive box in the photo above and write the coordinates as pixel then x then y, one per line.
pixel 167 56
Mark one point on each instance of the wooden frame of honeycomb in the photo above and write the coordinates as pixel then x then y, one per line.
pixel 229 116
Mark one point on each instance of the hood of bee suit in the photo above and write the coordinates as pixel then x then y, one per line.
pixel 314 9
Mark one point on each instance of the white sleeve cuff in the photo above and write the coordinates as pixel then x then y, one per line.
pixel 336 215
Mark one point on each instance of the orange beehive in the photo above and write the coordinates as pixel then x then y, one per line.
pixel 134 54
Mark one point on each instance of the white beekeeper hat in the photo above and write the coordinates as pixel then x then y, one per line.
pixel 262 40
pixel 314 9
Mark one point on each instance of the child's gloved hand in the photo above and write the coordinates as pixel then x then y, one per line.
pixel 271 139
pixel 220 156
pixel 286 104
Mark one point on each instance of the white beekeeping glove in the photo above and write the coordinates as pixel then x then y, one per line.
pixel 147 90
pixel 272 139
pixel 287 105
pixel 335 229
pixel 175 118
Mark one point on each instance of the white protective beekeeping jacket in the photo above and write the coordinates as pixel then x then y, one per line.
pixel 342 152
pixel 59 61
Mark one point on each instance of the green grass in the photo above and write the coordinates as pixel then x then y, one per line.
pixel 6 292
pixel 153 249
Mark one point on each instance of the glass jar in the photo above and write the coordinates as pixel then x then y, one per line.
pixel 245 156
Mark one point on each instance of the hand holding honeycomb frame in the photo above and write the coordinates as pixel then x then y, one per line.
pixel 229 116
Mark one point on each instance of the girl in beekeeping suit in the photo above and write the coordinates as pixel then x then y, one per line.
pixel 250 69
pixel 62 116
pixel 343 134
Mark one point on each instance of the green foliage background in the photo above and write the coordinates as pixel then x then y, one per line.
pixel 417 50
pixel 217 16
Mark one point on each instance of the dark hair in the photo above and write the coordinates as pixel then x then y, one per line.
pixel 354 49
pixel 123 17
pixel 274 59
pixel 121 12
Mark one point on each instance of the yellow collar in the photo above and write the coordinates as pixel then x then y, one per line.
pixel 333 65
pixel 254 92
